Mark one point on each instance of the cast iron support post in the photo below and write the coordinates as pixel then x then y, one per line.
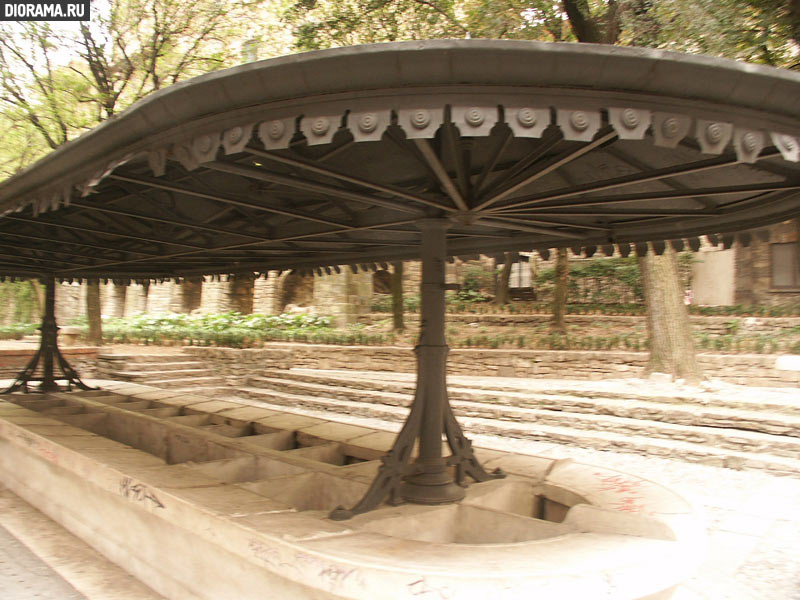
pixel 429 479
pixel 47 353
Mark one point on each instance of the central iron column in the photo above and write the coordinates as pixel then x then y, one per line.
pixel 49 333
pixel 432 484
pixel 430 479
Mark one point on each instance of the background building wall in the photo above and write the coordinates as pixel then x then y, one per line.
pixel 265 294
pixel 136 299
pixel 344 296
pixel 713 277
pixel 70 302
pixel 754 268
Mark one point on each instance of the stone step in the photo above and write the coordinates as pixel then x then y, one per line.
pixel 566 434
pixel 188 383
pixel 163 366
pixel 784 403
pixel 335 390
pixel 140 376
pixel 734 439
pixel 218 392
pixel 362 409
pixel 145 358
pixel 633 414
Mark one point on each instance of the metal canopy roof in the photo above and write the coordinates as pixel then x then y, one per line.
pixel 330 158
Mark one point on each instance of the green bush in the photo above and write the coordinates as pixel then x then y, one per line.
pixel 604 273
pixel 222 329
pixel 17 331
pixel 477 278
pixel 383 303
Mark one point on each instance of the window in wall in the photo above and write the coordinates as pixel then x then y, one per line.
pixel 785 266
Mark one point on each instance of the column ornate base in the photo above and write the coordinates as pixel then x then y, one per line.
pixel 48 384
pixel 48 350
pixel 401 481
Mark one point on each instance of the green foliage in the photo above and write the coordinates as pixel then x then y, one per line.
pixel 733 326
pixel 17 331
pixel 600 276
pixel 17 302
pixel 383 303
pixel 329 23
pixel 634 342
pixel 222 329
pixel 239 331
pixel 477 278
pixel 759 31
pixel 477 281
pixel 467 296
pixel 57 83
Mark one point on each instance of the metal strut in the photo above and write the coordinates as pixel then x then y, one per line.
pixel 428 480
pixel 47 352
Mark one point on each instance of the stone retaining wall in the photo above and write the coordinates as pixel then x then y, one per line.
pixel 83 360
pixel 711 324
pixel 744 369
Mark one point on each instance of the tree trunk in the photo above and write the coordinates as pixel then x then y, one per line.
pixel 597 29
pixel 794 19
pixel 501 289
pixel 397 296
pixel 672 348
pixel 558 323
pixel 797 239
pixel 95 335
pixel 38 296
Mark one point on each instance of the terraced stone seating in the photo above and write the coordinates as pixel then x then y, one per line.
pixel 212 499
pixel 754 432
pixel 179 372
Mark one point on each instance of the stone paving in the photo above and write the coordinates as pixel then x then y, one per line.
pixel 753 522
pixel 25 576
pixel 40 559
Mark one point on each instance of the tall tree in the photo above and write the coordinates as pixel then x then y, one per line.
pixel 671 345
pixel 797 240
pixel 669 330
pixel 95 335
pixel 596 23
pixel 397 296
pixel 38 297
pixel 501 292
pixel 56 84
pixel 760 31
pixel 329 23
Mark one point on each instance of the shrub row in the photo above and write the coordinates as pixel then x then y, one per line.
pixel 17 331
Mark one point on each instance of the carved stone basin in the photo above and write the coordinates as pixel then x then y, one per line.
pixel 211 499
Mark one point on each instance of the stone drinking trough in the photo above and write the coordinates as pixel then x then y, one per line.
pixel 211 499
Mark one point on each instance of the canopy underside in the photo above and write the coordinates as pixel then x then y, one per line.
pixel 337 182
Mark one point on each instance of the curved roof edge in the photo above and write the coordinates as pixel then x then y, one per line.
pixel 772 93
